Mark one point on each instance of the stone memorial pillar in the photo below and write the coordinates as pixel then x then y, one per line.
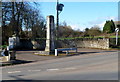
pixel 50 36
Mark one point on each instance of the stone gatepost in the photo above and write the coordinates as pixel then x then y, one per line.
pixel 50 37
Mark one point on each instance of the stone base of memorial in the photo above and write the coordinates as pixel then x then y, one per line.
pixel 45 53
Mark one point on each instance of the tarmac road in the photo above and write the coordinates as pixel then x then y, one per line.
pixel 93 66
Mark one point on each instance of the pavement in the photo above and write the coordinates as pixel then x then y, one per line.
pixel 90 64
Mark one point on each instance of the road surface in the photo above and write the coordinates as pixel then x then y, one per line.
pixel 92 66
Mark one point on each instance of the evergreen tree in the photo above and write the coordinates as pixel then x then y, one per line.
pixel 109 27
pixel 113 26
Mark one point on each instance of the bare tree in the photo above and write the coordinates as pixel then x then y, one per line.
pixel 16 15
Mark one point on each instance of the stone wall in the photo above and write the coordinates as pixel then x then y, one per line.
pixel 85 43
pixel 4 58
pixel 99 43
pixel 28 44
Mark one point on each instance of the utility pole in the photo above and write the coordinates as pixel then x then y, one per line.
pixel 57 25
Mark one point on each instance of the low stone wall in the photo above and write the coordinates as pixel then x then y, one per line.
pixel 66 43
pixel 99 43
pixel 85 43
pixel 28 44
pixel 4 58
pixel 11 56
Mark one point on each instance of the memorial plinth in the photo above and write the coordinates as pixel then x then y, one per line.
pixel 50 36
